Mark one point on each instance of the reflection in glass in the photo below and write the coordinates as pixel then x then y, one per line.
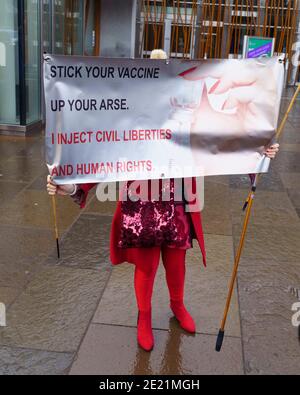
pixel 9 75
pixel 47 26
pixel 32 61
pixel 92 28
pixel 68 27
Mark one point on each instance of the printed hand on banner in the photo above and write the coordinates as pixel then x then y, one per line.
pixel 236 99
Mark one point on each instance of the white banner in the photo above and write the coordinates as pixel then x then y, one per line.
pixel 120 119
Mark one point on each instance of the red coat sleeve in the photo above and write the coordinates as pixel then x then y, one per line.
pixel 82 193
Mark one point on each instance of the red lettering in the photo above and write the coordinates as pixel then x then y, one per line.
pixel 169 134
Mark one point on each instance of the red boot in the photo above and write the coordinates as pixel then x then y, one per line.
pixel 186 321
pixel 144 330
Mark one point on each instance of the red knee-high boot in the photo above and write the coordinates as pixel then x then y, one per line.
pixel 174 263
pixel 143 283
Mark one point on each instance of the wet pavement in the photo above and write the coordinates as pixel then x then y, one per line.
pixel 78 315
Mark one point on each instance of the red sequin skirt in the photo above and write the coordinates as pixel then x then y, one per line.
pixel 155 223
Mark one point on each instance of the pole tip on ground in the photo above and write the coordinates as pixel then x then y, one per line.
pixel 58 249
pixel 220 340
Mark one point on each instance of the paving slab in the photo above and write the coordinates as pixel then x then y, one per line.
pixel 86 245
pixel 290 180
pixel 22 168
pixel 270 181
pixel 109 350
pixel 9 190
pixel 291 133
pixel 54 310
pixel 23 251
pixel 8 295
pixel 23 362
pixel 290 147
pixel 216 213
pixel 34 208
pixel 104 208
pixel 11 145
pixel 287 161
pixel 269 208
pixel 294 195
pixel 275 243
pixel 267 292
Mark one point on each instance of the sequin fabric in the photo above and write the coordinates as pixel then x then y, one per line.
pixel 153 223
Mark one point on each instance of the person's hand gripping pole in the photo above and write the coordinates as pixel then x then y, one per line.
pixel 53 190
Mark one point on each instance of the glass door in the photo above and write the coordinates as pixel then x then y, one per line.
pixel 9 71
pixel 71 27
pixel 32 61
pixel 68 27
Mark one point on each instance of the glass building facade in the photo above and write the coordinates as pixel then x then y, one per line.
pixel 9 71
pixel 121 28
pixel 28 28
pixel 20 67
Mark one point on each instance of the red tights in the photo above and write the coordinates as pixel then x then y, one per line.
pixel 174 263
pixel 145 272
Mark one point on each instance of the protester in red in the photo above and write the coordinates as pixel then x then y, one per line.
pixel 141 231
